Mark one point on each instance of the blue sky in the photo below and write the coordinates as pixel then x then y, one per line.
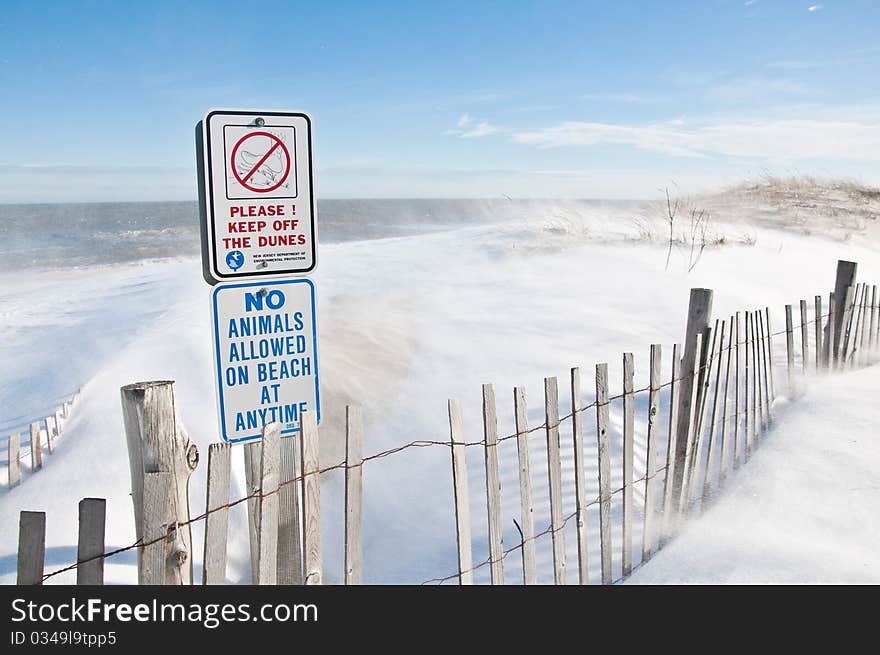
pixel 443 99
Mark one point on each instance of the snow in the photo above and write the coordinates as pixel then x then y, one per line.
pixel 404 324
pixel 803 510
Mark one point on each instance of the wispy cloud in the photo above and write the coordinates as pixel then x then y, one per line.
pixel 628 98
pixel 815 7
pixel 468 128
pixel 774 140
pixel 749 3
pixel 463 120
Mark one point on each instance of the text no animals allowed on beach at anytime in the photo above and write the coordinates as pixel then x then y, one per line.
pixel 256 194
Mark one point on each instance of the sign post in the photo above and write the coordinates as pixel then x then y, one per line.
pixel 257 208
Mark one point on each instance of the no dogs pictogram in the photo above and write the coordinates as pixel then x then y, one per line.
pixel 260 162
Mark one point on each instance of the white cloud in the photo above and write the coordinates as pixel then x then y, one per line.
pixel 749 3
pixel 628 98
pixel 464 120
pixel 815 7
pixel 483 128
pixel 774 140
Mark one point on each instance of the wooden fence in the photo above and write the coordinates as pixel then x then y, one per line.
pixel 42 433
pixel 718 398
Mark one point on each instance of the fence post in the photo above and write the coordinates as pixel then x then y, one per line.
pixel 849 299
pixel 761 382
pixel 828 347
pixel 311 472
pixel 290 557
pixel 757 412
pixel 817 313
pixel 554 475
pixel 31 547
pixel 252 484
pixel 845 278
pixel 92 516
pixel 13 449
pixel 59 423
pixel 725 446
pixel 651 451
pixel 804 336
pixel 157 443
pixel 50 436
pixel 354 431
pixel 768 401
pixel 577 431
pixel 36 447
pixel 671 449
pixel 770 353
pixel 737 441
pixel 874 311
pixel 270 463
pixel 460 488
pixel 707 478
pixel 602 420
pixel 707 360
pixel 863 333
pixel 217 519
pixel 493 485
pixel 789 348
pixel 699 311
pixel 156 511
pixel 628 439
pixel 747 387
pixel 530 575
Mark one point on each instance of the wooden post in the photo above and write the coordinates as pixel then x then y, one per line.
pixel 769 354
pixel 846 278
pixel 757 414
pixel 252 484
pixel 864 331
pixel 710 456
pixel 460 489
pixel 817 313
pixel 828 346
pixel 290 555
pixel 311 471
pixel 36 448
pixel 760 382
pixel 50 434
pixel 530 575
pixel 768 401
pixel 651 452
pixel 804 336
pixel 602 420
pixel 270 464
pixel 737 414
pixel 156 512
pixel 789 349
pixel 579 477
pixel 493 485
pixel 629 419
pixel 31 547
pixel 13 449
pixel 849 299
pixel 554 475
pixel 59 423
pixel 699 310
pixel 875 308
pixel 671 449
pixel 158 443
pixel 707 360
pixel 90 546
pixel 217 520
pixel 354 462
pixel 725 446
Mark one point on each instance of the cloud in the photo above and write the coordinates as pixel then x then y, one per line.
pixel 749 3
pixel 815 7
pixel 774 140
pixel 464 120
pixel 466 128
pixel 628 98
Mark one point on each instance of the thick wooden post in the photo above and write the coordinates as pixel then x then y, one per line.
pixel 90 546
pixel 290 555
pixel 270 464
pixel 31 547
pixel 628 445
pixel 462 499
pixel 354 461
pixel 217 521
pixel 527 519
pixel 579 477
pixel 651 452
pixel 699 311
pixel 154 567
pixel 846 278
pixel 13 450
pixel 311 471
pixel 158 443
pixel 252 484
pixel 36 447
pixel 602 420
pixel 554 475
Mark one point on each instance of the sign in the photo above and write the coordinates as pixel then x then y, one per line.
pixel 265 355
pixel 256 198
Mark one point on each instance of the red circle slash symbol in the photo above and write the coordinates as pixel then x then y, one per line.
pixel 275 178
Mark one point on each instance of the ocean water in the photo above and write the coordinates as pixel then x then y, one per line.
pixel 52 236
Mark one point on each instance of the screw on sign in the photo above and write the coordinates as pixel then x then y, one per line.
pixel 260 162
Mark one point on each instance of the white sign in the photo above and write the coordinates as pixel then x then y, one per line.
pixel 256 196
pixel 265 355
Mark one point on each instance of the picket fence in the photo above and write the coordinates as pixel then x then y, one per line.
pixel 720 395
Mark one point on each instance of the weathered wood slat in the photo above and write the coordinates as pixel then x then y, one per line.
pixel 671 450
pixel 252 484
pixel 290 555
pixel 817 325
pixel 629 418
pixel 462 499
pixel 13 454
pixel 875 317
pixel 864 331
pixel 757 413
pixel 769 353
pixel 217 520
pixel 90 545
pixel 354 460
pixel 50 433
pixel 712 447
pixel 311 471
pixel 707 362
pixel 699 311
pixel 845 279
pixel 828 346
pixel 739 415
pixel 748 390
pixel 726 450
pixel 602 420
pixel 527 519
pixel 270 465
pixel 554 475
pixel 651 452
pixel 31 547
pixel 760 407
pixel 849 299
pixel 765 366
pixel 493 486
pixel 59 423
pixel 156 511
pixel 579 477
pixel 36 447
